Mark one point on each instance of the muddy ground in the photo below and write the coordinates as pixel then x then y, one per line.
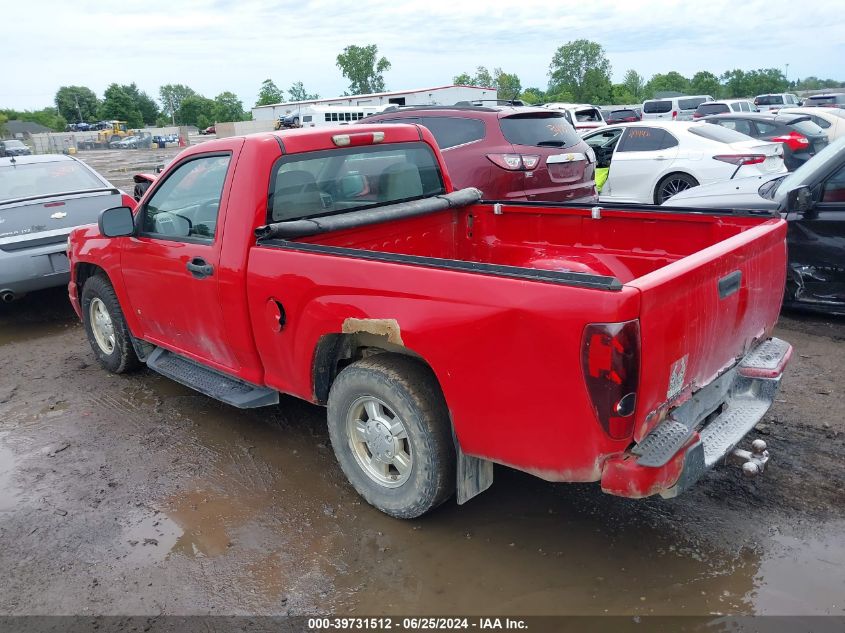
pixel 134 495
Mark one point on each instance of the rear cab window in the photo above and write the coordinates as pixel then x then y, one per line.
pixel 326 182
pixel 539 129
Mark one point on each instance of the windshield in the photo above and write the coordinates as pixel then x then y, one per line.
pixel 769 100
pixel 657 107
pixel 39 179
pixel 539 129
pixel 14 143
pixel 808 172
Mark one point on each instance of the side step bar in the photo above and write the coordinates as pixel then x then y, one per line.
pixel 210 382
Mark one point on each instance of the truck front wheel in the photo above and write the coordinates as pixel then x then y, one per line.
pixel 105 326
pixel 389 427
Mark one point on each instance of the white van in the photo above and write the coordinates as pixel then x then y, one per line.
pixel 673 108
pixel 319 116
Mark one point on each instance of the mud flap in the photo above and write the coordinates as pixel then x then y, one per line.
pixel 475 475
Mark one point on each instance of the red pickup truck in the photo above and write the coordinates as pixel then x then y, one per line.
pixel 443 333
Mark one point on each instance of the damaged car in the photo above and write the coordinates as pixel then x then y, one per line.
pixel 812 199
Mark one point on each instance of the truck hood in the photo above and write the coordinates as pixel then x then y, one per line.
pixel 740 193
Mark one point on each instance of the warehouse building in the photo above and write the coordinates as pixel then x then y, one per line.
pixel 442 95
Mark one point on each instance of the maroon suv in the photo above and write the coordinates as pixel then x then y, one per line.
pixel 510 153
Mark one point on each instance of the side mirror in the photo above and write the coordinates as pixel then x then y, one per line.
pixel 116 222
pixel 159 168
pixel 800 200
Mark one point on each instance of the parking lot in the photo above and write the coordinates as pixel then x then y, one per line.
pixel 134 495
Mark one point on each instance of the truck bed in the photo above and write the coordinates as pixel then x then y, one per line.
pixel 624 245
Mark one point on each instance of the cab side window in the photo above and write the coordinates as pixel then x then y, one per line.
pixel 186 204
pixel 645 139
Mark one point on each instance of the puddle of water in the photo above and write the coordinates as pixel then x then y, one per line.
pixel 803 576
pixel 268 485
pixel 8 466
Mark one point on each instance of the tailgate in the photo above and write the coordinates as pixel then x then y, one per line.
pixel 701 313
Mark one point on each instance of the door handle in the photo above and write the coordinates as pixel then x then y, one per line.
pixel 199 268
pixel 661 158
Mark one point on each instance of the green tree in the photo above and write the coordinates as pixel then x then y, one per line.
pixel 482 78
pixel 227 107
pixel 196 110
pixel 3 119
pixel 269 93
pixel 145 104
pixel 581 69
pixel 670 82
pixel 464 79
pixel 634 83
pixel 297 92
pixel 172 96
pixel 508 86
pixel 621 95
pixel 77 103
pixel 362 67
pixel 704 83
pixel 533 95
pixel 765 80
pixel 119 105
pixel 734 83
pixel 48 117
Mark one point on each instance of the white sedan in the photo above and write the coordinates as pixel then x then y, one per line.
pixel 651 161
pixel 831 120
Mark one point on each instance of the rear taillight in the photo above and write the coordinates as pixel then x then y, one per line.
pixel 793 141
pixel 674 114
pixel 610 358
pixel 697 115
pixel 741 159
pixel 515 162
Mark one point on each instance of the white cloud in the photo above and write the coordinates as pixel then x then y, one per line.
pixel 217 45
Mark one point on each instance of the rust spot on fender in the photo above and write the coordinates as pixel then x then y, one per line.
pixel 377 327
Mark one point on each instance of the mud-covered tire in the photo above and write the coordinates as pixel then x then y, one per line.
pixel 122 357
pixel 410 389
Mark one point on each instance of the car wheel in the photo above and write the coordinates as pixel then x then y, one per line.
pixel 671 185
pixel 106 328
pixel 390 431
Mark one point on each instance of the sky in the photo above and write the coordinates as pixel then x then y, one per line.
pixel 219 45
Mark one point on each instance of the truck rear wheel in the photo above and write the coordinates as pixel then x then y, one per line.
pixel 106 328
pixel 389 427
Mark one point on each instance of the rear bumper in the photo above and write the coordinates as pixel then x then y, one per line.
pixel 30 269
pixel 703 431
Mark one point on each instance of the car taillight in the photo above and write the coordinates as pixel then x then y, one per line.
pixel 610 358
pixel 793 141
pixel 741 159
pixel 515 162
pixel 674 114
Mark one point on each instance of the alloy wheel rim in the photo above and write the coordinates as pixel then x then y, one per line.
pixel 674 186
pixel 379 441
pixel 102 325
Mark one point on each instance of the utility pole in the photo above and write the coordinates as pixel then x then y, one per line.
pixel 172 111
pixel 78 110
pixel 786 74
